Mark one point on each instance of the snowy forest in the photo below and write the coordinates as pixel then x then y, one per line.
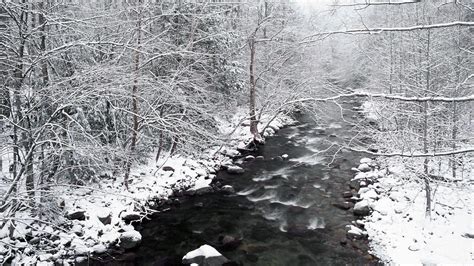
pixel 218 132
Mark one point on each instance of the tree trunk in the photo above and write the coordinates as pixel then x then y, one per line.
pixel 425 129
pixel 253 87
pixel 135 107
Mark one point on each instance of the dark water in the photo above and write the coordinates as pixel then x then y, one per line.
pixel 282 211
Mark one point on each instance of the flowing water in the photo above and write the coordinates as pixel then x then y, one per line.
pixel 282 209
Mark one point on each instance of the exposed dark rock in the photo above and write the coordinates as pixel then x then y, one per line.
pixel 362 208
pixel 354 184
pixel 167 168
pixel 77 214
pixel 105 218
pixel 347 194
pixel 129 217
pixel 343 205
pixel 229 242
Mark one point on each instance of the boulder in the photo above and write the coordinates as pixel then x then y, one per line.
pixel 363 167
pixel 249 158
pixel 203 190
pixel 354 184
pixel 205 256
pixel 347 194
pixel 130 239
pixel 105 218
pixel 228 189
pixel 355 232
pixel 131 216
pixel 167 168
pixel 367 161
pixel 235 170
pixel 362 208
pixel 343 205
pixel 99 249
pixel 260 158
pixel 229 242
pixel 284 156
pixel 77 214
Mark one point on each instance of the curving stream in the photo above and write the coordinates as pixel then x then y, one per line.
pixel 282 211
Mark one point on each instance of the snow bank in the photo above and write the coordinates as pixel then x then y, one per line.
pixel 400 233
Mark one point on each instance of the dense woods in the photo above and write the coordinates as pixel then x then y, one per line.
pixel 91 89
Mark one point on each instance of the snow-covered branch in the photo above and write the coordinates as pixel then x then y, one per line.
pixel 373 3
pixel 390 29
pixel 414 154
pixel 387 96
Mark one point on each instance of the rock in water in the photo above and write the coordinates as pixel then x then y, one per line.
pixel 228 189
pixel 361 208
pixel 366 161
pixel 130 216
pixel 363 167
pixel 234 169
pixel 130 239
pixel 205 256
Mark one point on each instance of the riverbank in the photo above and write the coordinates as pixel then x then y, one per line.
pixel 98 216
pixel 398 230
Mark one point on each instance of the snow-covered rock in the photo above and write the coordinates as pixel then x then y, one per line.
pixel 99 249
pixel 355 232
pixel 234 169
pixel 228 189
pixel 362 208
pixel 205 256
pixel 363 167
pixel 130 239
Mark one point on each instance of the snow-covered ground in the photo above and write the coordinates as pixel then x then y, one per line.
pixel 97 214
pixel 398 230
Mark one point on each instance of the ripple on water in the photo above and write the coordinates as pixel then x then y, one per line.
pixel 267 195
pixel 294 202
pixel 271 186
pixel 316 223
pixel 310 159
pixel 274 215
pixel 247 191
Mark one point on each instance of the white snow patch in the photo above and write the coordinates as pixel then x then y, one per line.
pixel 205 251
